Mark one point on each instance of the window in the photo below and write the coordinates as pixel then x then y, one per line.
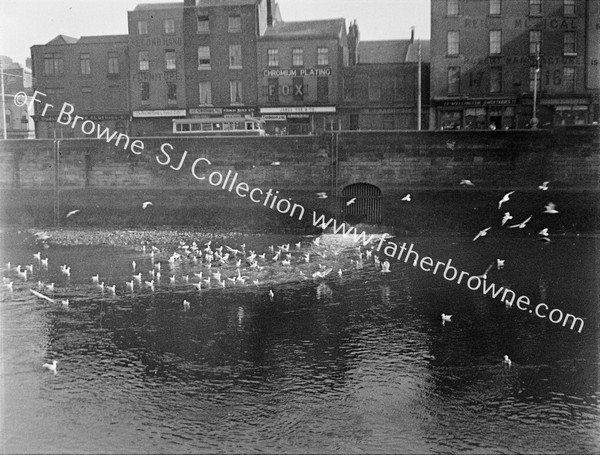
pixel 349 90
pixel 171 93
pixel 453 80
pixel 235 24
pixel 374 89
pixel 113 63
pixel 202 25
pixel 273 89
pixel 84 64
pixel 322 56
pixel 272 57
pixel 203 57
pixel 535 7
pixel 535 42
pixel 495 79
pixel 298 88
pixel 569 43
pixel 569 78
pixel 142 28
pixel 322 89
pixel 388 121
pixel 235 92
pixel 205 93
pixel 569 7
pixel 495 7
pixel 495 42
pixel 452 8
pixel 145 89
pixel 297 56
pixel 170 60
pixel 55 95
pixel 86 98
pixel 453 42
pixel 144 61
pixel 533 78
pixel 169 26
pixel 235 56
pixel 53 63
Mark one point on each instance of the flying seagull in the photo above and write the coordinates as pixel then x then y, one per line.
pixel 550 208
pixel 71 213
pixel 520 225
pixel 146 204
pixel 482 233
pixel 544 186
pixel 504 199
pixel 406 198
pixel 467 182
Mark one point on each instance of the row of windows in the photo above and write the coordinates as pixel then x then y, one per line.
pixel 564 78
pixel 54 63
pixel 453 7
pixel 168 27
pixel 298 56
pixel 378 88
pixel 234 24
pixel 235 57
pixel 495 42
pixel 144 60
pixel 205 93
pixel 112 97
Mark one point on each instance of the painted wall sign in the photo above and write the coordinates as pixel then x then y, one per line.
pixel 297 72
pixel 167 76
pixel 158 41
pixel 297 110
pixel 160 113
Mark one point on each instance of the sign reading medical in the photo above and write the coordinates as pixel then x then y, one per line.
pixel 297 72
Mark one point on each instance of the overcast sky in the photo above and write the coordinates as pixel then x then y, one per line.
pixel 24 23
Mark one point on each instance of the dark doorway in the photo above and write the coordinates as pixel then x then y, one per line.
pixel 361 203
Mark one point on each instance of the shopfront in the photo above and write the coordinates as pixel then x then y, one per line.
pixel 48 127
pixel 157 122
pixel 299 120
pixel 456 114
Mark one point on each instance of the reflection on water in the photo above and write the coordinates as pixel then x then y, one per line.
pixel 352 363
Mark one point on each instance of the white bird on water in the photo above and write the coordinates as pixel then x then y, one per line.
pixel 72 212
pixel 500 263
pixel 544 232
pixel 550 208
pixel 522 224
pixel 544 186
pixel 51 366
pixel 482 233
pixel 146 204
pixel 446 318
pixel 466 182
pixel 507 361
pixel 385 266
pixel 406 198
pixel 271 294
pixel 322 195
pixel 504 199
pixel 186 305
pixel 65 303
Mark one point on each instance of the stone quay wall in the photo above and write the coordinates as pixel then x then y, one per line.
pixel 108 182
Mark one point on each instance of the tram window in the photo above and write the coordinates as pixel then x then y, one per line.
pixel 195 126
pixel 206 127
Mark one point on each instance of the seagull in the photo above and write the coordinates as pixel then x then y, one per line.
pixel 150 284
pixel 130 285
pixel 133 264
pixel 550 208
pixel 450 144
pixel 507 216
pixel 186 305
pixel 146 204
pixel 482 233
pixel 37 256
pixel 340 272
pixel 507 361
pixel 51 366
pixel 544 232
pixel 500 263
pixel 73 212
pixel 65 303
pixel 520 225
pixel 322 195
pixel 385 266
pixel 504 199
pixel 44 262
pixel 351 201
pixel 466 182
pixel 271 294
pixel 406 198
pixel 276 163
pixel 172 279
pixel 50 287
pixel 112 289
pixel 446 318
pixel 544 186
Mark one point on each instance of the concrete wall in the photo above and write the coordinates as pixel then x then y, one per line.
pixel 112 183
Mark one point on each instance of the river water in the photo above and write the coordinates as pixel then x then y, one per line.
pixel 353 363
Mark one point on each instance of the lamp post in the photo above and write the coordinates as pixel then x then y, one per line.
pixel 4 132
pixel 534 119
pixel 419 90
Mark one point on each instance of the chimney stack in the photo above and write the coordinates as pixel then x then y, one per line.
pixel 269 13
pixel 412 34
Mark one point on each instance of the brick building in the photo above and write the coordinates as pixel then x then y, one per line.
pixel 486 55
pixel 379 91
pixel 89 73
pixel 156 68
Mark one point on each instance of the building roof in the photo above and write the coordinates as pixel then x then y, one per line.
pixel 209 3
pixel 62 39
pixel 392 51
pixel 310 29
pixel 103 39
pixel 152 6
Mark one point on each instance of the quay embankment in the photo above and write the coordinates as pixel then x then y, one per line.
pixel 272 183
